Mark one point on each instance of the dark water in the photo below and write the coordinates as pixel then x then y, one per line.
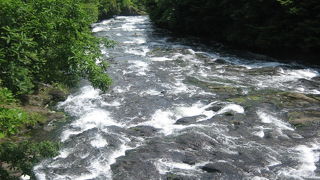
pixel 169 115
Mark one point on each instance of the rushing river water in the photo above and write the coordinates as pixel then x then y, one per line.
pixel 174 112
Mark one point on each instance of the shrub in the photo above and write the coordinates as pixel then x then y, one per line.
pixel 24 155
pixel 44 41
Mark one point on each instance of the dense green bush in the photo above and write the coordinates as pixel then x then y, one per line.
pixel 48 41
pixel 12 117
pixel 23 156
pixel 6 96
pixel 275 26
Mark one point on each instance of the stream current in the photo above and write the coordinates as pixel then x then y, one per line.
pixel 167 114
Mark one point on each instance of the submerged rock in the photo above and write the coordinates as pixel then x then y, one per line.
pixel 210 168
pixel 134 169
pixel 189 120
pixel 142 131
pixel 303 118
pixel 214 87
pixel 297 104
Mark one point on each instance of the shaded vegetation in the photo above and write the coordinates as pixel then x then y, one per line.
pixel 21 157
pixel 279 27
pixel 109 8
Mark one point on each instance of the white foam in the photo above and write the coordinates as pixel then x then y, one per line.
pixel 81 103
pixel 39 175
pixel 64 153
pixel 166 119
pixel 140 66
pixel 159 59
pixel 259 178
pixel 191 51
pixel 162 120
pixel 98 29
pixel 99 142
pixel 302 73
pixel 307 156
pixel 273 161
pixel 232 108
pixel 195 110
pixel 24 177
pixel 270 119
pixel 136 40
pixel 259 133
pixel 151 92
pixel 112 104
pixel 121 90
pixel 165 165
pixel 141 51
pixel 128 27
pixel 97 118
pixel 285 79
pixel 107 21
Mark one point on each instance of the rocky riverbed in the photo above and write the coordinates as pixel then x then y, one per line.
pixel 179 109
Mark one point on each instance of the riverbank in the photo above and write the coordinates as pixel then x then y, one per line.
pixel 20 149
pixel 285 30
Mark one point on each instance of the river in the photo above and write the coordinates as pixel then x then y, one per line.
pixel 179 109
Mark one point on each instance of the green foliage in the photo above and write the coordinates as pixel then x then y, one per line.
pixel 276 26
pixel 6 96
pixel 13 119
pixel 23 156
pixel 48 41
pixel 109 8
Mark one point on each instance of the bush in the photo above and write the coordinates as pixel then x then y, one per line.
pixel 24 155
pixel 44 41
pixel 6 96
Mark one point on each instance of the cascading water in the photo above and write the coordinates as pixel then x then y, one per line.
pixel 169 115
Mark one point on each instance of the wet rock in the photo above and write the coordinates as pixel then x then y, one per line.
pixel 224 89
pixel 303 118
pixel 194 141
pixel 236 122
pixel 289 100
pixel 221 61
pixel 265 71
pixel 312 84
pixel 210 168
pixel 216 88
pixel 188 120
pixel 246 100
pixel 171 176
pixel 317 78
pixel 215 108
pixel 189 159
pixel 143 131
pixel 300 97
pixel 134 170
pixel 57 95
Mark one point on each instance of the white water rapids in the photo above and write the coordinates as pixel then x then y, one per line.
pixel 153 124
